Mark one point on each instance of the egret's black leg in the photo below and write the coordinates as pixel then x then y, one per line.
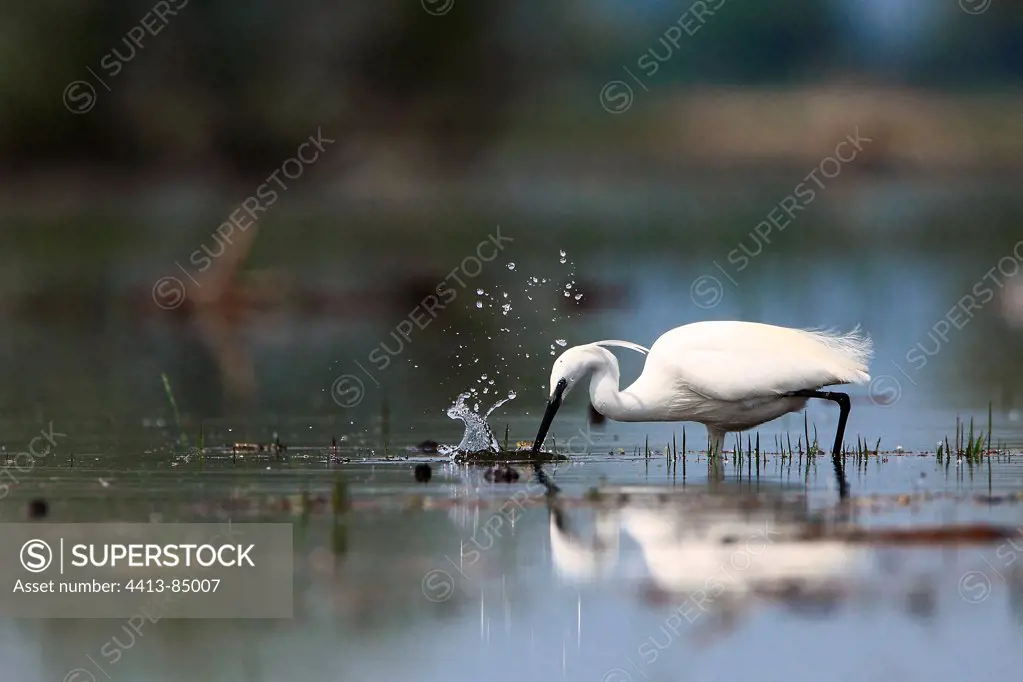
pixel 843 415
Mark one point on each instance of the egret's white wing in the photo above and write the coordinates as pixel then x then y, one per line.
pixel 740 360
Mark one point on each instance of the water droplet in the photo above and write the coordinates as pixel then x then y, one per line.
pixel 505 294
pixel 505 308
pixel 479 304
pixel 564 258
pixel 578 297
pixel 484 377
pixel 561 342
pixel 511 395
pixel 479 292
pixel 511 266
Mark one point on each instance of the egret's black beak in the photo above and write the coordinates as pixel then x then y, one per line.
pixel 552 409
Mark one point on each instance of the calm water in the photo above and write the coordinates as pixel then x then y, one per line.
pixel 443 581
pixel 85 346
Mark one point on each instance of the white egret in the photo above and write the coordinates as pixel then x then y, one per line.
pixel 728 375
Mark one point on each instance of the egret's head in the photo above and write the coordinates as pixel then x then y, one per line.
pixel 574 365
pixel 571 367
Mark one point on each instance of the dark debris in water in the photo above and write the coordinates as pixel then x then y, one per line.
pixel 501 473
pixel 503 456
pixel 38 508
pixel 423 473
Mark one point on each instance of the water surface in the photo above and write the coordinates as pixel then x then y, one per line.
pixel 413 582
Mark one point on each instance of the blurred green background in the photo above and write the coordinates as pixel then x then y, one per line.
pixel 130 132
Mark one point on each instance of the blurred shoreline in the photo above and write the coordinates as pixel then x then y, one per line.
pixel 710 134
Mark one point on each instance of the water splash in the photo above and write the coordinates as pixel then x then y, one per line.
pixel 478 436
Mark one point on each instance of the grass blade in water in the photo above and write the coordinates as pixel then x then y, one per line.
pixel 183 437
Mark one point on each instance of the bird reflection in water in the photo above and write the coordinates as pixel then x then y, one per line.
pixel 694 542
pixel 718 556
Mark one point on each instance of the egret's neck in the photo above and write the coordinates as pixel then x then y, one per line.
pixel 608 399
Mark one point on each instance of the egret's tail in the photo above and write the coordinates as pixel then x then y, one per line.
pixel 851 350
